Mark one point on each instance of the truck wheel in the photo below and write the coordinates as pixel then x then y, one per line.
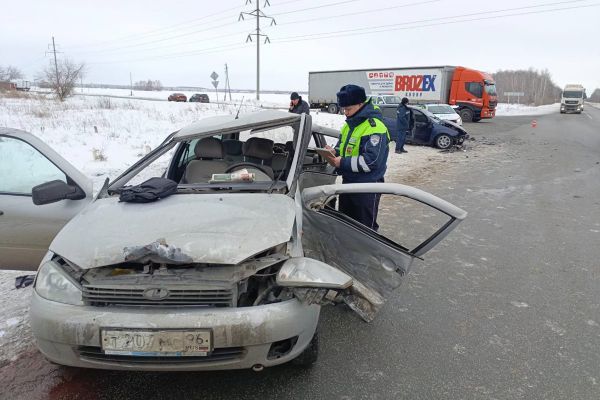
pixel 333 109
pixel 310 354
pixel 443 141
pixel 466 115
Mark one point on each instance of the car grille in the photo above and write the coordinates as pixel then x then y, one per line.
pixel 571 102
pixel 92 353
pixel 115 296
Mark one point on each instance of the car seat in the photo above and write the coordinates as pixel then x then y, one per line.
pixel 209 160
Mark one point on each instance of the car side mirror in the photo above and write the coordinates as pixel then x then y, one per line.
pixel 53 191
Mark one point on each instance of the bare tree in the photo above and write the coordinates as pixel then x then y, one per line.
pixel 10 73
pixel 62 80
pixel 148 85
pixel 537 86
pixel 595 97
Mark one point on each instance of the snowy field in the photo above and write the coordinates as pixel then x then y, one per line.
pixel 102 136
pixel 277 100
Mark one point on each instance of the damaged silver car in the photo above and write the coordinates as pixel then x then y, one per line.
pixel 223 274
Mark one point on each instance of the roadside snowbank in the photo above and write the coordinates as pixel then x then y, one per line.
pixel 504 109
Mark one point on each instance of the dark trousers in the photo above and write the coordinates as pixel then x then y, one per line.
pixel 362 207
pixel 401 139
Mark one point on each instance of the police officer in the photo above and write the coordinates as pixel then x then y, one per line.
pixel 297 105
pixel 361 153
pixel 405 122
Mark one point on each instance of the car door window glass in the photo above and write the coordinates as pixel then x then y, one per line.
pixel 401 220
pixel 420 117
pixel 22 167
pixel 474 88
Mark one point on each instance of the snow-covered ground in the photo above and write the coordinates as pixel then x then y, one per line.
pixel 102 136
pixel 278 100
pixel 504 109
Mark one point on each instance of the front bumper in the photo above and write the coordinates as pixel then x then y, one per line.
pixel 242 337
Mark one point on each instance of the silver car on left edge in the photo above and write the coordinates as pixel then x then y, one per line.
pixel 219 275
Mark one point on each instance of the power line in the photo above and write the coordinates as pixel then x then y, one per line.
pixel 316 7
pixel 216 49
pixel 379 10
pixel 166 45
pixel 393 27
pixel 360 31
pixel 172 27
pixel 178 26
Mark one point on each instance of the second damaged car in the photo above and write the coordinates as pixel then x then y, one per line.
pixel 230 271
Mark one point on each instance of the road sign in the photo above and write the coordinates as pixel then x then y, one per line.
pixel 514 94
pixel 215 83
pixel 214 76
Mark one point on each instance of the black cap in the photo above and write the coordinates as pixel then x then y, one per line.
pixel 350 95
pixel 404 101
pixel 294 96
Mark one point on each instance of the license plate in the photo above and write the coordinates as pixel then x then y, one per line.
pixel 161 343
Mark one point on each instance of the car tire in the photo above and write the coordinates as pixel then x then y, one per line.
pixel 466 115
pixel 333 108
pixel 309 355
pixel 443 141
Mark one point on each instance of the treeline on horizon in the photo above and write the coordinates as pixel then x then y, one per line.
pixel 537 86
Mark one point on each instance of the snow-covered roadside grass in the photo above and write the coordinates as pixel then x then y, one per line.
pixel 504 109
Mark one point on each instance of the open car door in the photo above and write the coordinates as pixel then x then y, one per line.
pixel 375 263
pixel 39 193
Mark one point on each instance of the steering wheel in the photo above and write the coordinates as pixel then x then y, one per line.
pixel 240 165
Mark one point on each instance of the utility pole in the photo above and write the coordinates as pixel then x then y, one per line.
pixel 227 87
pixel 130 85
pixel 58 89
pixel 258 14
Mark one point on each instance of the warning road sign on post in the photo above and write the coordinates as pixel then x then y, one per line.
pixel 214 76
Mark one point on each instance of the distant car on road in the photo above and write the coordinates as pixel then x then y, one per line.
pixel 177 97
pixel 429 129
pixel 443 111
pixel 200 98
pixel 385 99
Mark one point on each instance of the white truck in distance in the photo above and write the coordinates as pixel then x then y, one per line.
pixel 572 99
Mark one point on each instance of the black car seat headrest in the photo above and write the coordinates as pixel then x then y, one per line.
pixel 208 148
pixel 260 148
pixel 233 147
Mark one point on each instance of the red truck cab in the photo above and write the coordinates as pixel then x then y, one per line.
pixel 474 92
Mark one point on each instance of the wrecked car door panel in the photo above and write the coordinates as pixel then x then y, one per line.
pixel 27 229
pixel 375 263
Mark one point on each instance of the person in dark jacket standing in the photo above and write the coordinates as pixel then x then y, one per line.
pixel 405 122
pixel 297 105
pixel 361 153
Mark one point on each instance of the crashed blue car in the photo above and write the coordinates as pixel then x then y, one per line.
pixel 429 130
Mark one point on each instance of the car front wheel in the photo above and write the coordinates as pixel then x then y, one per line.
pixel 443 141
pixel 310 354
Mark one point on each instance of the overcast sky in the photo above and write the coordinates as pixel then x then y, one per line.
pixel 180 42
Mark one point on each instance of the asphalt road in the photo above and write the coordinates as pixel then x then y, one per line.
pixel 507 307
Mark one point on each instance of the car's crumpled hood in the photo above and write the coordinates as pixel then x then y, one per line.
pixel 200 228
pixel 450 124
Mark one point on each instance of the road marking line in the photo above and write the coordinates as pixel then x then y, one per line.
pixel 587 115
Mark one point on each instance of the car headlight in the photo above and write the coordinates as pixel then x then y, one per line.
pixel 53 284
